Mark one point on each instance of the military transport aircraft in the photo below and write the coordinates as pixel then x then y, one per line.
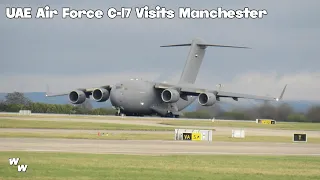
pixel 139 97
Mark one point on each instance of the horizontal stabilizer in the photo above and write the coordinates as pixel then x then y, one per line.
pixel 173 45
pixel 217 45
pixel 200 43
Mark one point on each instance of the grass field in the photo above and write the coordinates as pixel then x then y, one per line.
pixel 175 122
pixel 97 117
pixel 10 123
pixel 244 124
pixel 42 166
pixel 103 135
pixel 142 136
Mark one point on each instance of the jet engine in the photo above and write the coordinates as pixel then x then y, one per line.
pixel 77 97
pixel 170 95
pixel 100 94
pixel 207 99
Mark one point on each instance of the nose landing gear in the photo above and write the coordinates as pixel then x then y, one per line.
pixel 119 112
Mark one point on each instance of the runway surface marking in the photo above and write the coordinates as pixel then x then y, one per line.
pixel 156 147
pixel 227 131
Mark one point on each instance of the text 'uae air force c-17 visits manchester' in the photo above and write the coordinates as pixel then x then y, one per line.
pixel 139 97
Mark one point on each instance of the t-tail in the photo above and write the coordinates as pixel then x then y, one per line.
pixel 192 66
pixel 194 59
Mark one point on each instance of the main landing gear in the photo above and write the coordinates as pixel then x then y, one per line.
pixel 171 115
pixel 121 113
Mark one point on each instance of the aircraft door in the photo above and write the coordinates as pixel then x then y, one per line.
pixel 121 95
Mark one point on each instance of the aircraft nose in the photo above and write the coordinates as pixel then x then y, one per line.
pixel 116 97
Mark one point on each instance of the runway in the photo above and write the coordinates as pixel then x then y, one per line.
pixel 145 147
pixel 152 147
pixel 217 130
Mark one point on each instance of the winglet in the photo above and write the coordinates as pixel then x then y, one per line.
pixel 281 96
pixel 49 94
pixel 47 90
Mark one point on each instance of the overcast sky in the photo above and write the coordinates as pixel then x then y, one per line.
pixel 67 54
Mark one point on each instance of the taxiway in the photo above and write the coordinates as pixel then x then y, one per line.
pixel 147 147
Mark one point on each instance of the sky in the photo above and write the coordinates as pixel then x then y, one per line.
pixel 76 53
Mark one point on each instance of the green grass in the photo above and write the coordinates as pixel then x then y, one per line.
pixel 243 124
pixel 175 122
pixel 144 136
pixel 103 135
pixel 72 166
pixel 11 123
pixel 96 117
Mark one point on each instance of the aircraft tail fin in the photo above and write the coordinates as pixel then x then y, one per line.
pixel 194 59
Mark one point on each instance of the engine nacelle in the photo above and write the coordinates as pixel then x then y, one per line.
pixel 170 95
pixel 207 99
pixel 77 97
pixel 100 94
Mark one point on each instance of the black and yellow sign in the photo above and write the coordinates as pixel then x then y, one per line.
pixel 186 136
pixel 196 136
pixel 191 136
pixel 300 137
pixel 267 121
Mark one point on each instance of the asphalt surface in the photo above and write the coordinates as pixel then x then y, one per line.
pixel 155 147
pixel 144 147
pixel 218 130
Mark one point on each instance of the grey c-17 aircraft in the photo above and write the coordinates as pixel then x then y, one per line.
pixel 138 97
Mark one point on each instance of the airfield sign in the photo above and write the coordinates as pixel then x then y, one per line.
pixel 187 136
pixel 193 135
pixel 265 121
pixel 196 136
pixel 299 137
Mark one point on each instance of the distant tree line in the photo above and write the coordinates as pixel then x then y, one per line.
pixel 283 112
pixel 16 101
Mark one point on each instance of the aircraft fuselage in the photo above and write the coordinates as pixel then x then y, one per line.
pixel 133 96
pixel 137 97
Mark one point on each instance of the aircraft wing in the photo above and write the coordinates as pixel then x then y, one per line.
pixel 185 90
pixel 87 91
